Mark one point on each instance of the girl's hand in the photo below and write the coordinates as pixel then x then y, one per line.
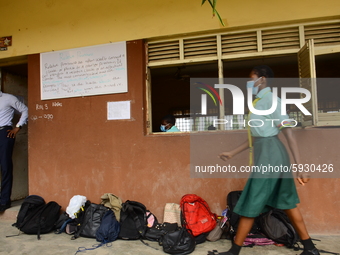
pixel 303 178
pixel 225 155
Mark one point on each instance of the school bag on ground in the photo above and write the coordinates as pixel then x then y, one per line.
pixel 172 213
pixel 234 218
pixel 109 228
pixel 41 220
pixel 217 232
pixel 156 232
pixel 196 215
pixel 276 225
pixel 133 222
pixel 180 242
pixel 29 204
pixel 91 220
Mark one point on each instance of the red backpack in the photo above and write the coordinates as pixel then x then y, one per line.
pixel 196 214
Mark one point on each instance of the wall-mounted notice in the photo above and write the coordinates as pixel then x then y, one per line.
pixel 87 71
pixel 118 110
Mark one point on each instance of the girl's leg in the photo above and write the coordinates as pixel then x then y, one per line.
pixel 243 229
pixel 298 223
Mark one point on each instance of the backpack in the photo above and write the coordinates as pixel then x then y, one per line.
pixel 276 225
pixel 90 221
pixel 109 228
pixel 29 204
pixel 196 215
pixel 133 223
pixel 178 242
pixel 234 218
pixel 156 232
pixel 42 219
pixel 172 213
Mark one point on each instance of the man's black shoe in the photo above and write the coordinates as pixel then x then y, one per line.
pixel 4 207
pixel 311 252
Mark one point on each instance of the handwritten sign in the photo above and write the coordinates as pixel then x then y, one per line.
pixel 87 71
pixel 41 113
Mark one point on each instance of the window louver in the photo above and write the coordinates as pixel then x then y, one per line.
pixel 200 47
pixel 239 43
pixel 323 34
pixel 280 39
pixel 285 39
pixel 163 51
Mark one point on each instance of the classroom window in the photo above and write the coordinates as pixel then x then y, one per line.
pixel 172 63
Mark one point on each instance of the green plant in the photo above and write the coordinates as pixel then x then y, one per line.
pixel 213 6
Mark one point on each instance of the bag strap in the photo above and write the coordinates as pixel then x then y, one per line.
pixel 63 227
pixel 148 244
pixel 138 224
pixel 329 252
pixel 82 226
pixel 95 246
pixel 21 215
pixel 39 220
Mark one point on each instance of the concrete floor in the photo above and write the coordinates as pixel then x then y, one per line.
pixel 62 244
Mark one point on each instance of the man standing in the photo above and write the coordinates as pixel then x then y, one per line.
pixel 8 105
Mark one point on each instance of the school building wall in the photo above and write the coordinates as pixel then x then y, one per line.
pixel 73 149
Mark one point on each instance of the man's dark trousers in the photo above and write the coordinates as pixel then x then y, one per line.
pixel 6 164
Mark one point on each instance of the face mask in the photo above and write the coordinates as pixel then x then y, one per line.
pixel 250 84
pixel 163 128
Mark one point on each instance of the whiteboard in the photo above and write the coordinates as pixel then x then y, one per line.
pixel 87 71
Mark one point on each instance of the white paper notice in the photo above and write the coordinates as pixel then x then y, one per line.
pixel 118 110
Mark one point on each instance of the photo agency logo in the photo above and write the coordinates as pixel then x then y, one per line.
pixel 238 102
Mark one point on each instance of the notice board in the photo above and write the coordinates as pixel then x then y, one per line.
pixel 87 71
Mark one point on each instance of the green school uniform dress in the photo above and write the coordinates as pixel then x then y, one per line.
pixel 270 185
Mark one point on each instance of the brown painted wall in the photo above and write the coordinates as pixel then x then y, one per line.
pixel 77 151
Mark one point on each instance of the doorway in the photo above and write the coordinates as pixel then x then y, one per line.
pixel 14 80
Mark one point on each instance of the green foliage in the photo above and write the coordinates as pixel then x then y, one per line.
pixel 215 12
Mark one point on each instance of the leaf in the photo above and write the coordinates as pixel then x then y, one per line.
pixel 220 19
pixel 213 6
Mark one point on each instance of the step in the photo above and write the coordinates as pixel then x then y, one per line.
pixel 12 212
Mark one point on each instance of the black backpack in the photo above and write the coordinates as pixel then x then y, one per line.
pixel 276 225
pixel 41 220
pixel 133 222
pixel 233 217
pixel 90 221
pixel 29 204
pixel 178 242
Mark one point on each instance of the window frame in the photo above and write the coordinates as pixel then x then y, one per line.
pixel 249 44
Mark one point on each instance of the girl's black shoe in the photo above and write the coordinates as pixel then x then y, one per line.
pixel 311 252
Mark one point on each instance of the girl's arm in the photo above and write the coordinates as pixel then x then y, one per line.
pixel 288 133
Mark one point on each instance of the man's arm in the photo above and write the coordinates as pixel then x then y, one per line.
pixel 22 108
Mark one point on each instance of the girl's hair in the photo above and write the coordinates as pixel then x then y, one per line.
pixel 170 119
pixel 263 70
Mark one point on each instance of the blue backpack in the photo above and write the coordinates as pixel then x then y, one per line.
pixel 109 228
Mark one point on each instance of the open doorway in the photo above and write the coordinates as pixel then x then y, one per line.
pixel 14 80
